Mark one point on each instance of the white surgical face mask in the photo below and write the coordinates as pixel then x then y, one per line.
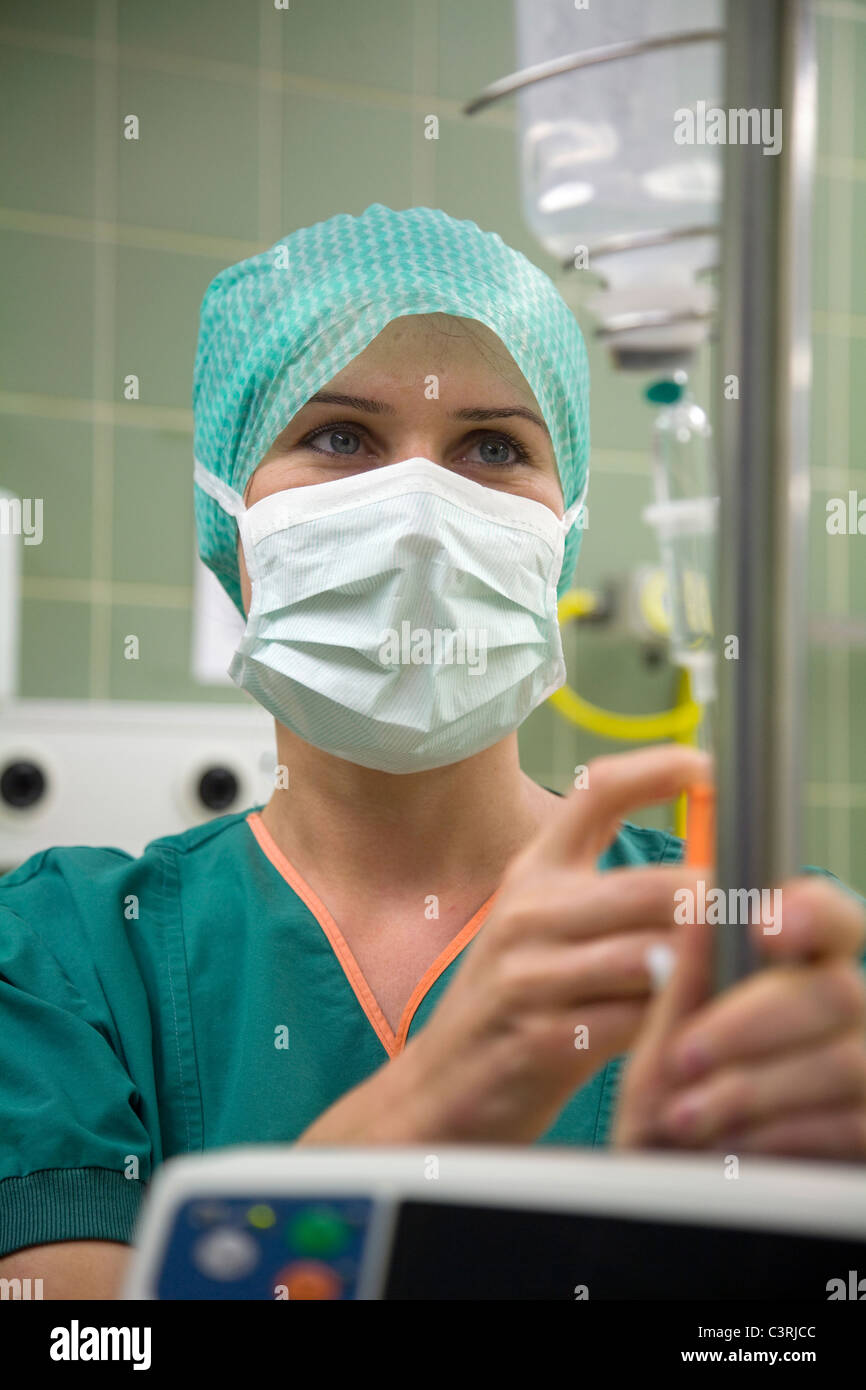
pixel 402 618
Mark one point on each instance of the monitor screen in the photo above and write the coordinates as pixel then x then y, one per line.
pixel 447 1251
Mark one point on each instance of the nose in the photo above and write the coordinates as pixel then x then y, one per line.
pixel 416 445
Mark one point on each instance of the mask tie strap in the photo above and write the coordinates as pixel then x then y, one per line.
pixel 231 502
pixel 575 510
pixel 228 499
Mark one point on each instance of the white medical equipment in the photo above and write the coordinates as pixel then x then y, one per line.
pixel 494 1223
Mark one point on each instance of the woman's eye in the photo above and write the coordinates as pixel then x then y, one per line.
pixel 336 441
pixel 498 451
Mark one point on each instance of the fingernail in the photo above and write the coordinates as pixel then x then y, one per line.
pixel 692 1059
pixel 682 1117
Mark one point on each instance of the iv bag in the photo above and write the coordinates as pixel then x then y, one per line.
pixel 599 157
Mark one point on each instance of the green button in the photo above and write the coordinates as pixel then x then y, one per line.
pixel 318 1231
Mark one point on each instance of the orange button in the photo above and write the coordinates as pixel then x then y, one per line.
pixel 309 1279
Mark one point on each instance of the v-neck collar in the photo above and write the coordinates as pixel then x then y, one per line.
pixel 391 1041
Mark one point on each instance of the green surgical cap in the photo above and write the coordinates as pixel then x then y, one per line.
pixel 275 328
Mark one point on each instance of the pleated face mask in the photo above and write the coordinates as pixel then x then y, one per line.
pixel 403 618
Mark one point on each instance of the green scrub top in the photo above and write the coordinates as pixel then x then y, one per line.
pixel 197 996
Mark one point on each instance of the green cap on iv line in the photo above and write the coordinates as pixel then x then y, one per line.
pixel 667 390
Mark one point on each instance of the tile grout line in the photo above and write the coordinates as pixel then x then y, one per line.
pixel 425 78
pixel 842 9
pixel 845 796
pixel 121 414
pixel 188 65
pixel 52 224
pixel 98 591
pixel 271 116
pixel 105 136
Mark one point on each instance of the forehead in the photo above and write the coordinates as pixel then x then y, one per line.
pixel 419 345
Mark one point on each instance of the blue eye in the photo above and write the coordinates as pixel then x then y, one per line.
pixel 495 451
pixel 341 441
pixel 500 450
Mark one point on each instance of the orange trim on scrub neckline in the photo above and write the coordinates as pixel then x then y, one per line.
pixel 392 1043
pixel 442 961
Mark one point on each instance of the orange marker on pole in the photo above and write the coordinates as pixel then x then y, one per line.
pixel 701 824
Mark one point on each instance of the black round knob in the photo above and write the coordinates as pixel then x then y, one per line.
pixel 22 784
pixel 218 788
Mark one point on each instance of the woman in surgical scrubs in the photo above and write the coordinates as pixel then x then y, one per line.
pixel 411 942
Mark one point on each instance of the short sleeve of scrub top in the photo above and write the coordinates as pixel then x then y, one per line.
pixel 197 996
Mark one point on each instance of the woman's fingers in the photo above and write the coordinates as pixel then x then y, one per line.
pixel 645 1086
pixel 817 919
pixel 553 975
pixel 774 1010
pixel 617 785
pixel 569 903
pixel 611 1029
pixel 777 1064
pixel 829 1133
pixel 749 1097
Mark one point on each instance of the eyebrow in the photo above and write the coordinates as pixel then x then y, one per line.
pixel 472 412
pixel 352 402
pixel 477 412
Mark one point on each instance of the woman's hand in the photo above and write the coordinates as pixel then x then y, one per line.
pixel 556 983
pixel 775 1065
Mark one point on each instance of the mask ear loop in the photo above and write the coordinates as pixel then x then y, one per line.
pixel 566 522
pixel 232 503
pixel 577 507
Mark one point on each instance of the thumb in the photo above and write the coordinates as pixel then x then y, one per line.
pixel 645 1085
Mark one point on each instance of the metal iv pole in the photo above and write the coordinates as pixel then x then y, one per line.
pixel 763 461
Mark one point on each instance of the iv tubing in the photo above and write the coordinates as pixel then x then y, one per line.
pixel 678 723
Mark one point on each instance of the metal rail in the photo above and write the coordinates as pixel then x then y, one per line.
pixel 587 58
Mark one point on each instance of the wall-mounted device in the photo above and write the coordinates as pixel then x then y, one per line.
pixel 120 773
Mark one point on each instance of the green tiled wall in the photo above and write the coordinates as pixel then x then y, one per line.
pixel 254 122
